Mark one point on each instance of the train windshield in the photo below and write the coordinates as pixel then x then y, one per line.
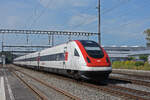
pixel 92 49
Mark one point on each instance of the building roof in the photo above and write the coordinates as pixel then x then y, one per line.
pixel 123 52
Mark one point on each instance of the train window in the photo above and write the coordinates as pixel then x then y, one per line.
pixel 76 53
pixel 62 57
pixel 92 49
pixel 56 57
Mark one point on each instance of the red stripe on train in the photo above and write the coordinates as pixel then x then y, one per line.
pixel 66 56
pixel 95 62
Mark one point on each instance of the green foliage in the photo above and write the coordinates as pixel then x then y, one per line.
pixel 131 58
pixel 144 57
pixel 147 64
pixel 147 32
pixel 9 56
pixel 137 65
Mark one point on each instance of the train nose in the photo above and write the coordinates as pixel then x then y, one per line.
pixel 98 60
pixel 103 62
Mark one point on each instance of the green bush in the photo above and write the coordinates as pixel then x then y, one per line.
pixel 144 57
pixel 136 65
pixel 131 58
pixel 146 64
pixel 139 63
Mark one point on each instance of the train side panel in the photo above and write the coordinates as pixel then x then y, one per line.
pixel 53 57
pixel 75 57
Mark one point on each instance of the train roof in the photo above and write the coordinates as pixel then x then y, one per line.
pixel 82 41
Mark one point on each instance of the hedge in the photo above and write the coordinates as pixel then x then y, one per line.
pixel 137 65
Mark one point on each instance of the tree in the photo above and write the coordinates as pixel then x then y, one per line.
pixel 131 58
pixel 147 32
pixel 9 56
pixel 144 57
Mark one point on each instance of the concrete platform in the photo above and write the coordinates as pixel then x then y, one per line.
pixel 11 88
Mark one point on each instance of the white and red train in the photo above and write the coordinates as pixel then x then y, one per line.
pixel 77 58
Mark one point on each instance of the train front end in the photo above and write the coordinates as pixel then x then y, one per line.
pixel 97 63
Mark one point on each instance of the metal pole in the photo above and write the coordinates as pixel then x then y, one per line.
pixel 99 23
pixel 52 39
pixel 2 50
pixel 2 54
pixel 2 43
pixel 49 39
pixel 27 38
pixel 2 47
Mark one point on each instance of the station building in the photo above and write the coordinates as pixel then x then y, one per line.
pixel 122 53
pixel 116 53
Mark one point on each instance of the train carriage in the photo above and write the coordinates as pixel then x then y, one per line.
pixel 77 58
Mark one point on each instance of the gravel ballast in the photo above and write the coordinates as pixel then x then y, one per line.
pixel 83 92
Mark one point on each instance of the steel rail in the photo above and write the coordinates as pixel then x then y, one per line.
pixel 110 89
pixel 134 75
pixel 139 92
pixel 113 89
pixel 37 92
pixel 138 82
pixel 52 87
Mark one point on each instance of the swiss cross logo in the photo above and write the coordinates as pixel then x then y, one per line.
pixel 98 60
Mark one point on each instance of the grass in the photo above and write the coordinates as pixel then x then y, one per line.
pixel 136 65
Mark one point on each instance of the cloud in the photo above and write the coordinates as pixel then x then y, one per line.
pixel 58 4
pixel 122 27
pixel 12 21
pixel 82 19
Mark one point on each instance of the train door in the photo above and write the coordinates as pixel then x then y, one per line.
pixel 76 59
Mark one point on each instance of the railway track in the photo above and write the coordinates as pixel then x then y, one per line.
pixel 134 75
pixel 40 94
pixel 133 81
pixel 123 92
pixel 36 91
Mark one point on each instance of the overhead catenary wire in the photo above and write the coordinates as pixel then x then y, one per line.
pixel 103 13
pixel 123 2
pixel 31 17
pixel 123 15
pixel 37 18
pixel 42 12
pixel 132 11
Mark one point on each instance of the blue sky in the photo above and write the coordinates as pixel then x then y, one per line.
pixel 123 21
